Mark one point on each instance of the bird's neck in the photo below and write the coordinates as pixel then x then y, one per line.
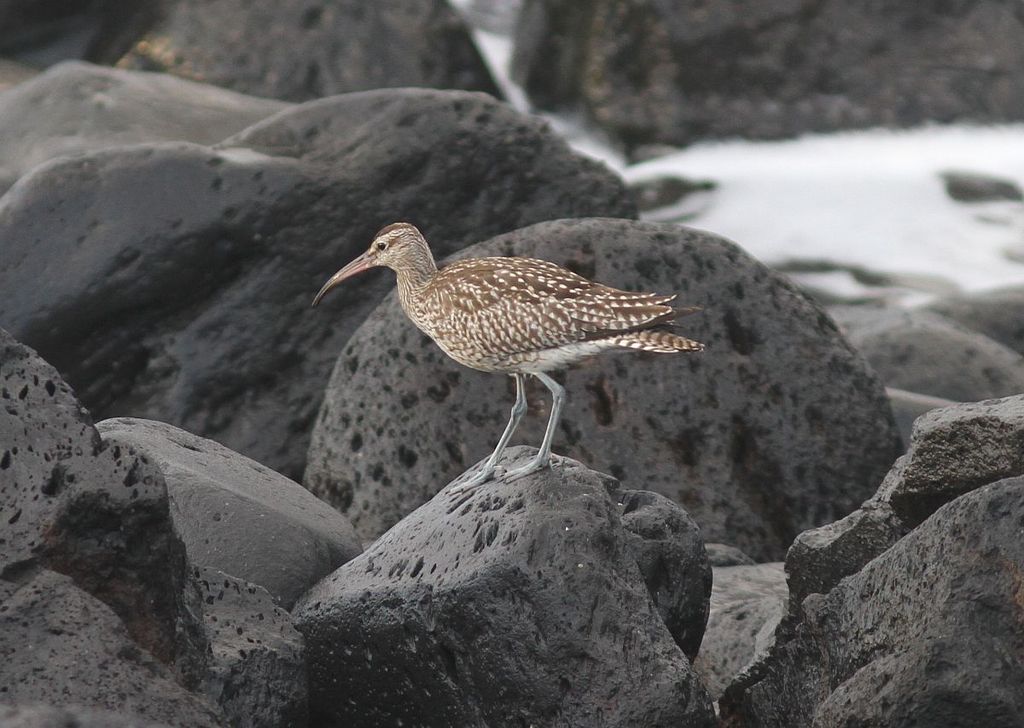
pixel 413 278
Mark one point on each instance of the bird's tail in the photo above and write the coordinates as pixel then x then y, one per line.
pixel 662 342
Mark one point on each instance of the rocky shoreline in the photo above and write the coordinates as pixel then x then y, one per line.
pixel 219 507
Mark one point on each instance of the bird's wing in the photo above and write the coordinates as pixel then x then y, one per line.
pixel 525 304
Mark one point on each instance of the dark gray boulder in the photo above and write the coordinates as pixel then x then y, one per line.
pixel 667 546
pixel 77 107
pixel 43 32
pixel 81 654
pixel 238 516
pixel 92 510
pixel 648 71
pixel 997 314
pixel 127 614
pixel 520 599
pixel 908 406
pixel 747 603
pixel 779 426
pixel 820 557
pixel 257 671
pixel 975 187
pixel 927 634
pixel 922 352
pixel 299 50
pixel 173 281
pixel 952 451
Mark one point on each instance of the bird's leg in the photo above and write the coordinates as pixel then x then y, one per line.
pixel 487 469
pixel 543 457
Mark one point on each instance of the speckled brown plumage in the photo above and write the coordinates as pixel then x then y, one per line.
pixel 518 316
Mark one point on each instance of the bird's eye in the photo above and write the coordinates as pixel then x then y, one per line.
pixel 382 246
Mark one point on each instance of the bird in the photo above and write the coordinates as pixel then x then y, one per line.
pixel 518 316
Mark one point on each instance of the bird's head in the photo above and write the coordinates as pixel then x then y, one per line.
pixel 399 246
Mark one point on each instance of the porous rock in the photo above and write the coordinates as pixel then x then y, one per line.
pixel 922 352
pixel 928 633
pixel 997 314
pixel 777 427
pixel 747 603
pixel 238 516
pixel 908 406
pixel 648 71
pixel 60 645
pixel 299 50
pixel 954 450
pixel 78 107
pixel 92 510
pixel 521 598
pixel 256 671
pixel 821 556
pixel 173 281
pixel 667 546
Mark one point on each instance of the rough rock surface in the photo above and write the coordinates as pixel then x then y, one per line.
pixel 92 510
pixel 998 314
pixel 908 406
pixel 238 516
pixel 77 107
pixel 777 427
pixel 720 554
pixel 954 450
pixel 521 599
pixel 299 50
pixel 257 671
pixel 667 546
pixel 747 603
pixel 821 556
pixel 929 633
pixel 924 353
pixel 81 653
pixel 174 281
pixel 650 71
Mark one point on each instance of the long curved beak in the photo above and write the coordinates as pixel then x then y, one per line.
pixel 363 262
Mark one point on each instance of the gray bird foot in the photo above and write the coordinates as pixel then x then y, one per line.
pixel 531 467
pixel 460 486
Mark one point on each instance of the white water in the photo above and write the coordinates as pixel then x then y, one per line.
pixel 872 199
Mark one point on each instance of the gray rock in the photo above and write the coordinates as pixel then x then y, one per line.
pixel 92 510
pixel 45 716
pixel 821 557
pixel 656 72
pixel 747 603
pixel 175 281
pixel 667 546
pixel 954 450
pixel 297 50
pixel 519 599
pixel 778 427
pixel 720 554
pixel 80 653
pixel 924 353
pixel 997 314
pixel 44 32
pixel 257 671
pixel 927 634
pixel 908 406
pixel 239 517
pixel 78 107
pixel 973 187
